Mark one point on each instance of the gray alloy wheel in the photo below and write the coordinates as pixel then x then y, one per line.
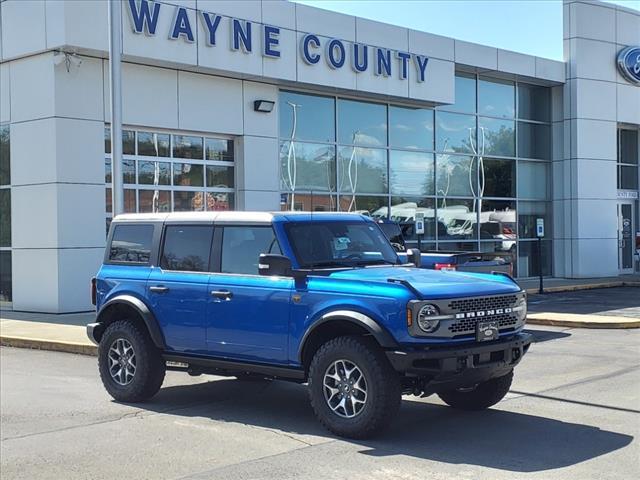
pixel 122 361
pixel 345 388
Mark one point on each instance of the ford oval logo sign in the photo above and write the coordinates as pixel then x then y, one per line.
pixel 629 64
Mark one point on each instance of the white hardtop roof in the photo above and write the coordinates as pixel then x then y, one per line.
pixel 222 217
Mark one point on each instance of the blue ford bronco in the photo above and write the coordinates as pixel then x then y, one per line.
pixel 314 298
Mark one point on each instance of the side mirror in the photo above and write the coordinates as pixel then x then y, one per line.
pixel 414 256
pixel 274 265
pixel 398 247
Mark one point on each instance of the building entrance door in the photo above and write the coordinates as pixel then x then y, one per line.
pixel 626 236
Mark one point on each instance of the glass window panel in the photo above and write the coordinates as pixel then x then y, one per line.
pixel 5 217
pixel 528 212
pixel 628 146
pixel 307 202
pixel 128 142
pixel 129 200
pixel 534 140
pixel 628 177
pixel 457 246
pixel 307 166
pixel 154 173
pixel 364 204
pixel 457 219
pixel 411 173
pixel 496 98
pixel 188 175
pixel 313 116
pixel 499 178
pixel 456 175
pixel 455 132
pixel 533 180
pixel 107 140
pixel 5 159
pixel 218 149
pixel 129 171
pixel 153 144
pixel 403 211
pixel 502 250
pixel 534 102
pixel 186 248
pixel 529 260
pixel 107 171
pixel 185 146
pixel 497 137
pixel 498 222
pixel 131 243
pixel 188 201
pixel 411 128
pixel 219 177
pixel 154 201
pixel 361 123
pixel 242 246
pixel 362 170
pixel 465 95
pixel 108 201
pixel 219 201
pixel 6 290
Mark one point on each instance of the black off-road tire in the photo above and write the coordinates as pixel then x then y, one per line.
pixel 383 385
pixel 150 366
pixel 483 396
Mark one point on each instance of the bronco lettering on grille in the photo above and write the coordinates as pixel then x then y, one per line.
pixel 484 313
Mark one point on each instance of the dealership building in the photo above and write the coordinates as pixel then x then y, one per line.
pixel 272 105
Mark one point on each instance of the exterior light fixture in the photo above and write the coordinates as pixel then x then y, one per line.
pixel 264 106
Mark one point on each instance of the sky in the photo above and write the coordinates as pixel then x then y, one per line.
pixel 528 26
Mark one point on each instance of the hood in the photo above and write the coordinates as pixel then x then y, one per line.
pixel 433 284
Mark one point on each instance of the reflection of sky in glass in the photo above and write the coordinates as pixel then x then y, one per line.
pixel 307 166
pixel 456 175
pixel 496 99
pixel 362 123
pixel 411 128
pixel 499 136
pixel 314 115
pixel 465 96
pixel 362 170
pixel 455 132
pixel 411 173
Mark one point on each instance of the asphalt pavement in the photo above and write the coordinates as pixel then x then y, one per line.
pixel 573 413
pixel 616 301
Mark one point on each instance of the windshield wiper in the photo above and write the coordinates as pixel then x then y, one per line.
pixel 330 263
pixel 378 261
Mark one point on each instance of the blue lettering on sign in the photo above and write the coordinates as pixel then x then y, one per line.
pixel 332 47
pixel 241 36
pixel 421 66
pixel 404 64
pixel 629 64
pixel 181 25
pixel 360 58
pixel 144 20
pixel 271 39
pixel 308 57
pixel 383 62
pixel 211 22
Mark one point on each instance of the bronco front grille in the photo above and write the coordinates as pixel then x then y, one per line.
pixel 482 304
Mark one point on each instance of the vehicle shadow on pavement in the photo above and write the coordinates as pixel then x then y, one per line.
pixel 540 336
pixel 494 438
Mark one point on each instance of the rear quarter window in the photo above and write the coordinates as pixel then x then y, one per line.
pixel 131 244
pixel 186 248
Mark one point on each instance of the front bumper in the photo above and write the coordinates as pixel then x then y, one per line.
pixel 454 367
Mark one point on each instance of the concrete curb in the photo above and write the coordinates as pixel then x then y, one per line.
pixel 582 321
pixel 52 345
pixel 586 286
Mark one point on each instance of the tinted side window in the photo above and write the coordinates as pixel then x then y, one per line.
pixel 186 248
pixel 131 243
pixel 242 246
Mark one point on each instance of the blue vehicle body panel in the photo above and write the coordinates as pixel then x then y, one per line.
pixel 266 318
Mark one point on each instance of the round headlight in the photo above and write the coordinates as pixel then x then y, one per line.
pixel 521 308
pixel 426 320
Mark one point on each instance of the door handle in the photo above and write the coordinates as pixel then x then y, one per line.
pixel 159 289
pixel 222 294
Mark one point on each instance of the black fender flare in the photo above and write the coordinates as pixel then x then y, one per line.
pixel 143 310
pixel 382 336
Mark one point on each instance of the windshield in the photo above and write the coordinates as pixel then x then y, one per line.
pixel 340 244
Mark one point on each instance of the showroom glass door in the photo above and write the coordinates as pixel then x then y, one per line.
pixel 626 230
